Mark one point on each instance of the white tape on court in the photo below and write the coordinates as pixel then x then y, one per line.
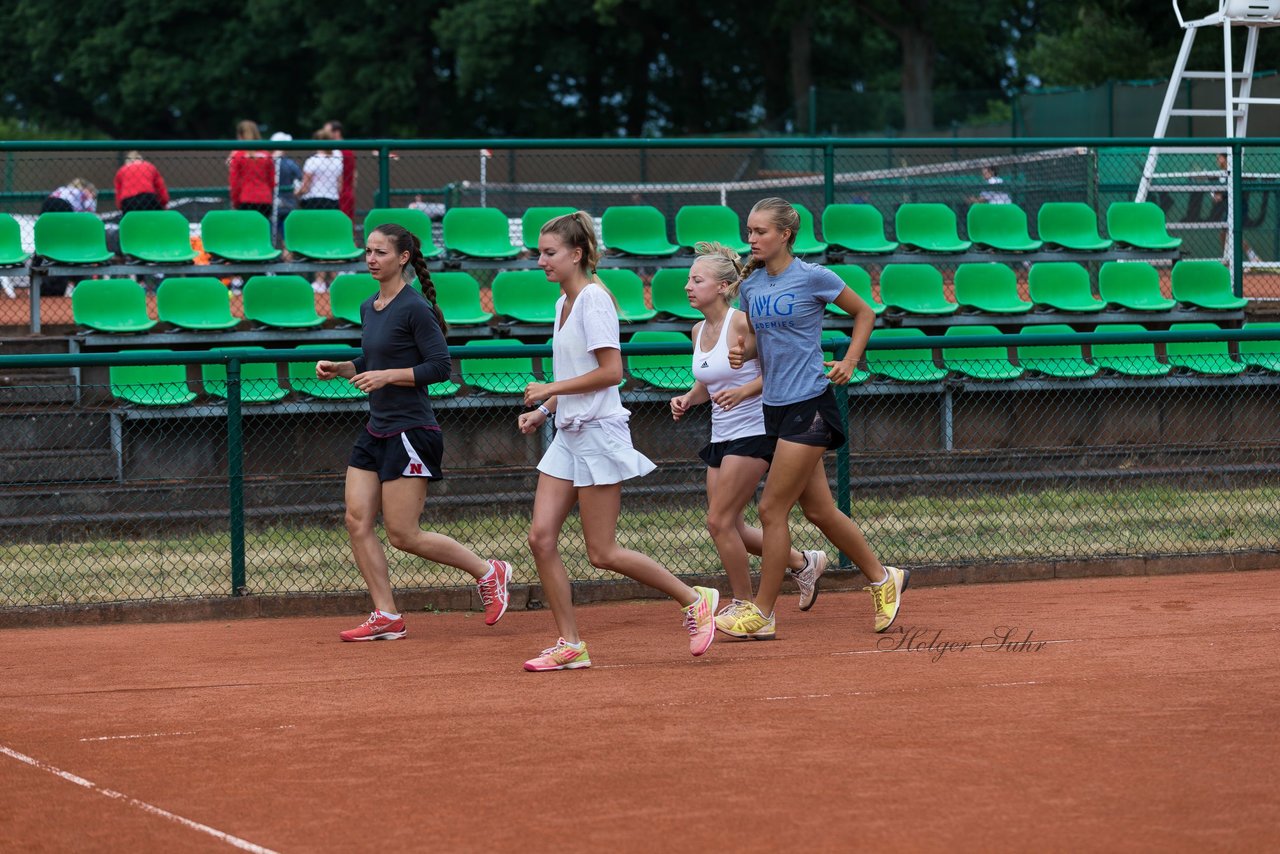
pixel 134 802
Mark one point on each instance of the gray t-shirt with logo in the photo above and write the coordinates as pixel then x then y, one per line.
pixel 786 313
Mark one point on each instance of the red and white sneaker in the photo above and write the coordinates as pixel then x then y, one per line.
pixel 378 627
pixel 699 619
pixel 493 591
pixel 562 656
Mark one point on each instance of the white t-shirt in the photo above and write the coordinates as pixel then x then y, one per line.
pixel 326 175
pixel 592 324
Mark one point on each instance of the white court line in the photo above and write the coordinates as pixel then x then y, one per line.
pixel 134 802
pixel 180 732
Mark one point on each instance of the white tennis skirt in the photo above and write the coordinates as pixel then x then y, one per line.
pixel 598 454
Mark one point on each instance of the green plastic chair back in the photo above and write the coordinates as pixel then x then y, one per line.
pixel 151 385
pixel 111 305
pixel 673 372
pixel 478 233
pixel 915 288
pixel 628 289
pixel 667 290
pixel 1065 361
pixel 858 228
pixel 158 237
pixel 1071 225
pixel 348 292
pixel 72 238
pixel 11 251
pixel 979 363
pixel 1205 284
pixel 807 242
pixel 324 235
pixel 414 220
pixel 1063 286
pixel 1202 357
pixel 195 302
pixel 282 301
pixel 497 374
pixel 302 378
pixel 458 295
pixel 929 226
pixel 237 236
pixel 1134 286
pixel 636 230
pixel 1140 225
pixel 1262 354
pixel 525 295
pixel 535 218
pixel 258 380
pixel 711 223
pixel 1001 227
pixel 859 281
pixel 913 365
pixel 990 287
pixel 1131 360
pixel 829 355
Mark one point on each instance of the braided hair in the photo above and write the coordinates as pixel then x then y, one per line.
pixel 405 240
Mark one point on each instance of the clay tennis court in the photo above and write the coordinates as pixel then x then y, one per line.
pixel 1140 717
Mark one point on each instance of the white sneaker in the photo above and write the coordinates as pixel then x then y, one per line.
pixel 815 563
pixel 319 287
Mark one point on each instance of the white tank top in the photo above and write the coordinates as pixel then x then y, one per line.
pixel 712 369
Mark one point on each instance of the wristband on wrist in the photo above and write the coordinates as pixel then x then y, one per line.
pixel 543 409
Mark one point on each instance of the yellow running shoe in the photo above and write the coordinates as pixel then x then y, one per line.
pixel 747 622
pixel 887 596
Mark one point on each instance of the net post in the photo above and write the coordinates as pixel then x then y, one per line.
pixel 235 476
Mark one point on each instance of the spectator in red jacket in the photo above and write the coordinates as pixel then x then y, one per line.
pixel 139 186
pixel 252 174
pixel 347 193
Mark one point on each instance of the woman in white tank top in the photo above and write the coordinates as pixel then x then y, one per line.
pixel 739 452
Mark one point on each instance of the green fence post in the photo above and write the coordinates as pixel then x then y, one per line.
pixel 235 476
pixel 829 174
pixel 844 491
pixel 1237 219
pixel 384 177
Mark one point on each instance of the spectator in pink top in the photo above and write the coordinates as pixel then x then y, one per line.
pixel 252 174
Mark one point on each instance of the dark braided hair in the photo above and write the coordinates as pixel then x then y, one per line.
pixel 406 241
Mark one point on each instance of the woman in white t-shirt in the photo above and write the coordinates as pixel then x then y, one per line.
pixel 591 453
pixel 740 451
pixel 321 184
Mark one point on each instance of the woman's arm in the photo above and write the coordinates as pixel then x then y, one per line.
pixel 864 318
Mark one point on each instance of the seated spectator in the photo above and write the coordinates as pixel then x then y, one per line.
pixel 994 194
pixel 252 174
pixel 288 176
pixel 139 186
pixel 75 196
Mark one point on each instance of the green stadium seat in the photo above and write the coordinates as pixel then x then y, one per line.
pixel 930 227
pixel 286 302
pixel 829 355
pixel 1140 225
pixel 628 289
pixel 157 237
pixel 11 252
pixel 859 281
pixel 535 218
pixel 710 223
pixel 990 287
pixel 258 380
pixel 1071 225
pixel 414 220
pixel 807 242
pixel 669 297
pixel 1001 227
pixel 1205 284
pixel 525 295
pixel 1130 360
pixel 636 230
pixel 497 374
pixel 348 292
pixel 195 302
pixel 458 295
pixel 979 363
pixel 673 372
pixel 1065 361
pixel 478 233
pixel 1262 354
pixel 111 305
pixel 150 385
pixel 1212 358
pixel 857 228
pixel 913 365
pixel 915 289
pixel 240 236
pixel 302 378
pixel 322 235
pixel 72 238
pixel 1134 286
pixel 1063 286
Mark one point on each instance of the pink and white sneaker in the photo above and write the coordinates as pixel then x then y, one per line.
pixel 562 656
pixel 699 619
pixel 493 591
pixel 378 627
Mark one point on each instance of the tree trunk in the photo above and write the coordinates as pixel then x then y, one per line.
pixel 917 79
pixel 802 67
